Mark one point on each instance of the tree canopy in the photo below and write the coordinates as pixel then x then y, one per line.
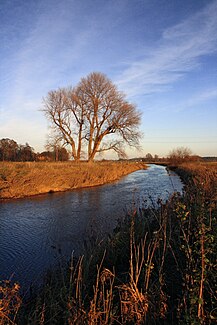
pixel 11 151
pixel 93 117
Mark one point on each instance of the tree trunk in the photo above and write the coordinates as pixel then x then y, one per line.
pixel 79 142
pixel 96 146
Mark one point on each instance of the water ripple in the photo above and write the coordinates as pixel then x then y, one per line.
pixel 36 233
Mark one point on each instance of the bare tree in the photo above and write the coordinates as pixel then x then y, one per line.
pixel 55 145
pixel 156 157
pixel 94 116
pixel 179 155
pixel 66 120
pixel 148 157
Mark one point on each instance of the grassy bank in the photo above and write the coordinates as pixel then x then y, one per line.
pixel 158 267
pixel 32 178
pixel 198 170
pixel 202 174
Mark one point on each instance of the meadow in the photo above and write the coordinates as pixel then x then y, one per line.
pixel 158 267
pixel 21 179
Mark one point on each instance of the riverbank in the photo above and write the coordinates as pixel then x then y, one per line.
pixel 203 173
pixel 158 267
pixel 22 179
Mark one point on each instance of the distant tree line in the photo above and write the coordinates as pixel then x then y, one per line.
pixel 210 159
pixel 151 158
pixel 176 156
pixel 11 151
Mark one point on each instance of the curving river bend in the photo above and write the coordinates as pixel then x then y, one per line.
pixel 37 233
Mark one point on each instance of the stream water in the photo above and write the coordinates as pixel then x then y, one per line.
pixel 37 233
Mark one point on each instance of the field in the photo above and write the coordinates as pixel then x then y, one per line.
pixel 158 267
pixel 19 179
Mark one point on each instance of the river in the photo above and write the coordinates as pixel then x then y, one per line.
pixel 39 232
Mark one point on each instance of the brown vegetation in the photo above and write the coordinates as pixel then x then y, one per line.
pixel 10 302
pixel 158 267
pixel 31 178
pixel 203 173
pixel 200 168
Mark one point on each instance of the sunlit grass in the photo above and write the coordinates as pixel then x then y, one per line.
pixel 19 179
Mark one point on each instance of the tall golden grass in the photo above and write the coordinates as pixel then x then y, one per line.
pixel 20 179
pixel 203 174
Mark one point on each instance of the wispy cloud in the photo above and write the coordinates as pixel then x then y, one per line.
pixel 177 52
pixel 198 99
pixel 44 55
pixel 204 96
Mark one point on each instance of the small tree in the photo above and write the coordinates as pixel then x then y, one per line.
pixel 179 155
pixel 26 153
pixel 63 154
pixel 93 117
pixel 156 158
pixel 54 145
pixel 148 157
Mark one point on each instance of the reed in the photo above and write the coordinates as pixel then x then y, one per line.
pixel 10 302
pixel 158 267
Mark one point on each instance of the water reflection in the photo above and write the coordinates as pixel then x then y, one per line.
pixel 36 233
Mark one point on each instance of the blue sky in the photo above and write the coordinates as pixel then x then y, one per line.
pixel 161 53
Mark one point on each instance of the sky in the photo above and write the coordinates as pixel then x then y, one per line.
pixel 161 53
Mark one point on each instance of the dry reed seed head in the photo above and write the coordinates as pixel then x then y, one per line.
pixel 106 275
pixel 10 301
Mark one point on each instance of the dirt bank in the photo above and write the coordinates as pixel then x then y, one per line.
pixel 32 178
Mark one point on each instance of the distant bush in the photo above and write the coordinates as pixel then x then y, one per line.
pixel 58 154
pixel 179 155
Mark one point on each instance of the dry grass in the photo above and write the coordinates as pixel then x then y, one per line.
pixel 20 179
pixel 10 302
pixel 201 167
pixel 202 174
